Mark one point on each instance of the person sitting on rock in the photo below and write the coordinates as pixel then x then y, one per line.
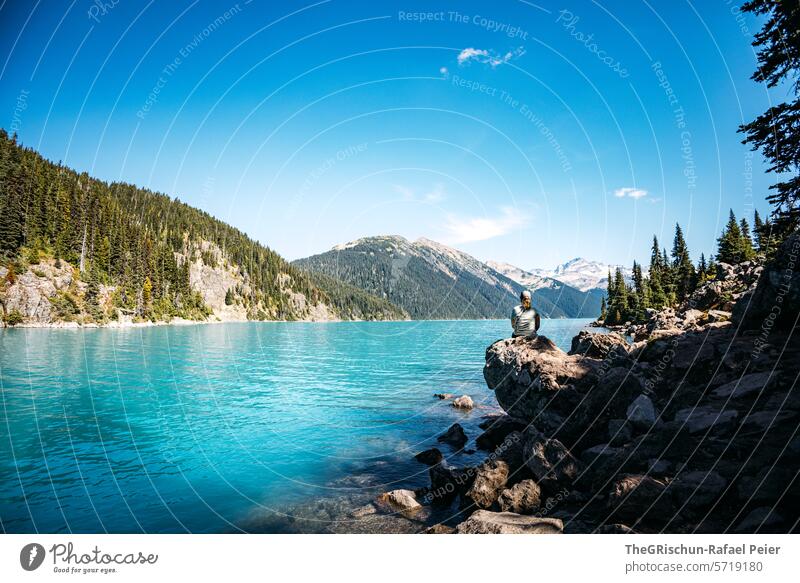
pixel 524 319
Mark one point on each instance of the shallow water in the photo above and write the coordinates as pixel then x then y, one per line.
pixel 198 428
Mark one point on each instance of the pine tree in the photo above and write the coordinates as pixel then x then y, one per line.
pixel 763 237
pixel 775 132
pixel 640 294
pixel 730 242
pixel 747 253
pixel 602 308
pixel 684 273
pixel 702 268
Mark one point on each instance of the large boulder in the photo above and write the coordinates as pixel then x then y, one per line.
pixel 523 497
pixel 490 479
pixel 775 301
pixel 485 522
pixel 527 374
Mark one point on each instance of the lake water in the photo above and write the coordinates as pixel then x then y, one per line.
pixel 199 428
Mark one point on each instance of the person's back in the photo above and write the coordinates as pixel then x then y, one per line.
pixel 524 319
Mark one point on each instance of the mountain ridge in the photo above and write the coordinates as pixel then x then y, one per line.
pixel 431 280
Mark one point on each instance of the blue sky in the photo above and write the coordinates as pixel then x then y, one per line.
pixel 522 132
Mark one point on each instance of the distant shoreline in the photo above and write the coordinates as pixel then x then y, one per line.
pixel 182 322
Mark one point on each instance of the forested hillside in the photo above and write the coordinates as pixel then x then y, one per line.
pixel 134 250
pixel 427 279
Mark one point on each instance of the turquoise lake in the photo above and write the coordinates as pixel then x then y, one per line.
pixel 198 428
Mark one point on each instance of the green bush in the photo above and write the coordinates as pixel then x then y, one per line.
pixel 13 318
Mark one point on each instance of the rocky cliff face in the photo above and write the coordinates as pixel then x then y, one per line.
pixel 691 428
pixel 52 293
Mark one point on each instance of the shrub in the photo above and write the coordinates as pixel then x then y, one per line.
pixel 13 318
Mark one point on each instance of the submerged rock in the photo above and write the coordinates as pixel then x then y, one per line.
pixel 455 436
pixel 463 402
pixel 485 522
pixel 403 500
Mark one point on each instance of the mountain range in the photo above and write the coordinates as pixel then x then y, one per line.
pixel 583 274
pixel 430 280
pixel 77 249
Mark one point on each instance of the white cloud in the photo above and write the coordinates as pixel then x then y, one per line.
pixel 436 194
pixel 403 191
pixel 443 71
pixel 488 57
pixel 468 229
pixel 628 192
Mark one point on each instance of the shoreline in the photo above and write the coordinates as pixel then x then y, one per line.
pixel 184 322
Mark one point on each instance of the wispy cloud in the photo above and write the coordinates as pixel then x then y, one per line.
pixel 628 192
pixel 437 193
pixel 468 229
pixel 488 57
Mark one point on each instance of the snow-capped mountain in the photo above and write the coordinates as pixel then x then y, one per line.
pixel 584 274
pixel 575 302
pixel 430 280
pixel 528 279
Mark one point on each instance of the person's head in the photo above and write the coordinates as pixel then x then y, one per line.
pixel 525 298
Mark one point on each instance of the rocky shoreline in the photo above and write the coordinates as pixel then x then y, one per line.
pixel 692 427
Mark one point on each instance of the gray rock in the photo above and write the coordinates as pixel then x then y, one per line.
pixel 444 396
pixel 778 285
pixel 697 489
pixel 746 385
pixel 718 316
pixel 704 417
pixel 485 522
pixel 634 497
pixel 522 498
pixel 490 479
pixel 619 431
pixel 641 412
pixel 496 431
pixel 447 482
pixel 691 317
pixel 598 345
pixel 598 451
pixel 764 419
pixel 429 457
pixel 526 374
pixel 550 462
pixel 763 519
pixel 455 436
